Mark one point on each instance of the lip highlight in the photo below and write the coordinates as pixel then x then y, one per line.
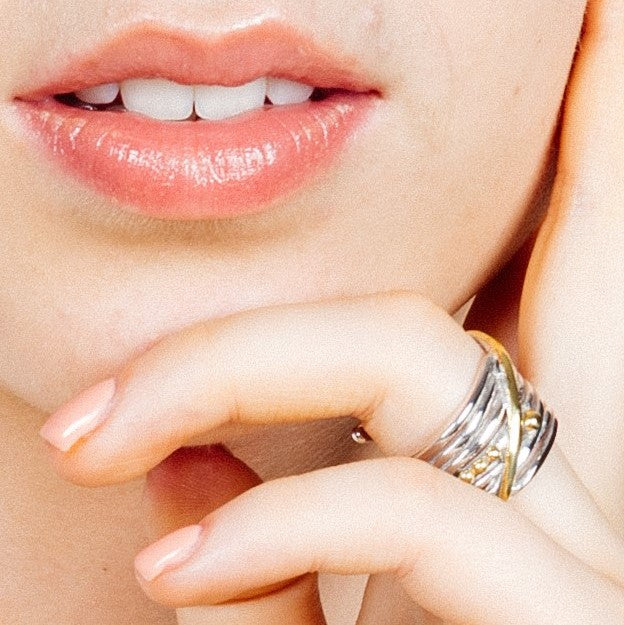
pixel 200 169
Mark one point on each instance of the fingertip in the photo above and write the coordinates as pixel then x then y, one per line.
pixel 170 551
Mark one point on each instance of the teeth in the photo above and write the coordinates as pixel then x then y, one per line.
pixel 281 91
pixel 158 98
pixel 215 102
pixel 102 94
pixel 166 100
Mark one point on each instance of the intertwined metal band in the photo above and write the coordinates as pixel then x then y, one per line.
pixel 501 437
pixel 502 434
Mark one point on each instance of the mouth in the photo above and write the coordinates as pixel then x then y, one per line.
pixel 180 127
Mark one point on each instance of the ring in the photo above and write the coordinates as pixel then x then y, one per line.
pixel 500 437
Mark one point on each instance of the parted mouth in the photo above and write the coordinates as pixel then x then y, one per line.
pixel 178 126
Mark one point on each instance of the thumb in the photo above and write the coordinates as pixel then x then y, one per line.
pixel 184 488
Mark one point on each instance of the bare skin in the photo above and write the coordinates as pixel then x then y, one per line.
pixel 468 136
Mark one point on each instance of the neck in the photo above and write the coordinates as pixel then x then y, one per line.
pixel 67 550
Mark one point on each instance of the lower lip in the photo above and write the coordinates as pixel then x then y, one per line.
pixel 198 169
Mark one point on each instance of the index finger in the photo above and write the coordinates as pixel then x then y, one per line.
pixel 571 334
pixel 393 360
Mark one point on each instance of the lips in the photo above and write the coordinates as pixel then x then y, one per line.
pixel 198 169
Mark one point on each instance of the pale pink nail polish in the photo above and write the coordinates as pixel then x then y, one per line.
pixel 79 416
pixel 169 552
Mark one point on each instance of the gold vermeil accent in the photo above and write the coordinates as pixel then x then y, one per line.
pixel 512 409
pixel 531 420
pixel 480 465
pixel 493 453
pixel 467 476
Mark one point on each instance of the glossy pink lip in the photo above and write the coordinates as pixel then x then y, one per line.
pixel 200 169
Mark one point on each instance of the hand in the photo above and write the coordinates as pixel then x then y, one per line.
pixel 552 554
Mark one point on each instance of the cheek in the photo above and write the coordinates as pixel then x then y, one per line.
pixel 477 95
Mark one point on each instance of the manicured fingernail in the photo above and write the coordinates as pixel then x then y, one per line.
pixel 80 416
pixel 169 552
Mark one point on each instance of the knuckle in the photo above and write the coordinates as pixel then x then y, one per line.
pixel 409 320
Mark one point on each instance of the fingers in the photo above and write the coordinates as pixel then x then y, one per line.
pixel 594 108
pixel 290 605
pixel 189 484
pixel 389 360
pixel 193 482
pixel 571 331
pixel 393 360
pixel 393 515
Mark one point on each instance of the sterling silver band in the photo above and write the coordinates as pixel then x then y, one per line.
pixel 472 447
pixel 479 445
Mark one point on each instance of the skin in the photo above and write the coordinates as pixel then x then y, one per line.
pixel 467 130
pixel 441 122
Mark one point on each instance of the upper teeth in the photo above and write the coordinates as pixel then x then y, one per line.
pixel 158 98
pixel 102 94
pixel 166 100
pixel 216 102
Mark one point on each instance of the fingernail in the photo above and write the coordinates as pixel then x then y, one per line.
pixel 80 416
pixel 169 552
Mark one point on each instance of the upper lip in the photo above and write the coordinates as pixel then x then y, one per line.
pixel 232 58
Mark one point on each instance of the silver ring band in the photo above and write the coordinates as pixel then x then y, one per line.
pixel 473 446
pixel 502 434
